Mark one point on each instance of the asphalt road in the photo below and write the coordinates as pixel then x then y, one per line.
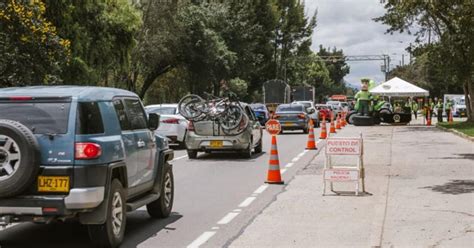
pixel 216 196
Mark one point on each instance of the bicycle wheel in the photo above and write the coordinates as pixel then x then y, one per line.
pixel 241 127
pixel 190 107
pixel 232 118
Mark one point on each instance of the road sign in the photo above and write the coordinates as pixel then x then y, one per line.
pixel 352 146
pixel 343 146
pixel 273 127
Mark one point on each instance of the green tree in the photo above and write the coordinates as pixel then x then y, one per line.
pixel 31 48
pixel 338 69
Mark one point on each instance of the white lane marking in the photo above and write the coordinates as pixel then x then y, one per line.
pixel 289 165
pixel 237 210
pixel 247 202
pixel 215 228
pixel 301 154
pixel 305 151
pixel 205 236
pixel 295 159
pixel 228 218
pixel 178 158
pixel 283 171
pixel 261 189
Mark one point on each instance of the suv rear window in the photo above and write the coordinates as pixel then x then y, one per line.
pixel 89 120
pixel 41 117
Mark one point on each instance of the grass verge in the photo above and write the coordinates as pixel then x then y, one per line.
pixel 463 127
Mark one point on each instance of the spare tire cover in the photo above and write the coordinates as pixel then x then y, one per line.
pixel 19 158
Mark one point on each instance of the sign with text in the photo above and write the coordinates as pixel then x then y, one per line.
pixel 341 175
pixel 343 146
pixel 273 127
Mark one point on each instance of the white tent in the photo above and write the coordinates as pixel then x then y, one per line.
pixel 398 87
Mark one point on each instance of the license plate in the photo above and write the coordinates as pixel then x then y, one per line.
pixel 53 183
pixel 289 124
pixel 216 143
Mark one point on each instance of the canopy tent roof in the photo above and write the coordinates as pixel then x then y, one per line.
pixel 398 87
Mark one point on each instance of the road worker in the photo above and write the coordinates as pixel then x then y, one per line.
pixel 439 107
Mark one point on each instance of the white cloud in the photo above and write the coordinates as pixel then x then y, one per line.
pixel 348 25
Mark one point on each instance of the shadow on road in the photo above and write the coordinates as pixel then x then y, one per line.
pixel 231 156
pixel 469 156
pixel 140 227
pixel 454 187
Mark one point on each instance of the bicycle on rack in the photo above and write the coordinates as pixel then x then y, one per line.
pixel 225 111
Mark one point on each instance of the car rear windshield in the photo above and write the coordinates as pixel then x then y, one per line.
pixel 257 107
pixel 41 117
pixel 290 108
pixel 89 119
pixel 306 104
pixel 162 110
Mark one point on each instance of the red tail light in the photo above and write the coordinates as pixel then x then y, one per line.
pixel 21 98
pixel 88 151
pixel 242 124
pixel 302 116
pixel 191 126
pixel 171 121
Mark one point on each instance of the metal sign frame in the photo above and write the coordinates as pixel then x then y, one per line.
pixel 355 173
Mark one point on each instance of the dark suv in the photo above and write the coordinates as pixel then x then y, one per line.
pixel 84 153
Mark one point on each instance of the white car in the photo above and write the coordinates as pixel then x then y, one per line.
pixel 172 124
pixel 336 107
pixel 309 105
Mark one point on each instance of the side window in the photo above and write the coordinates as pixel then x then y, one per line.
pixel 136 114
pixel 89 119
pixel 250 113
pixel 121 115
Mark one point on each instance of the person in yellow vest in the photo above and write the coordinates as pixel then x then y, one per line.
pixel 428 107
pixel 439 107
pixel 449 108
pixel 408 105
pixel 414 107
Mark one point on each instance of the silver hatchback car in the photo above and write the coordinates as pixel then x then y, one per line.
pixel 208 136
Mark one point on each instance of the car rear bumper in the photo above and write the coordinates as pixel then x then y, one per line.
pixel 78 200
pixel 203 143
pixel 292 125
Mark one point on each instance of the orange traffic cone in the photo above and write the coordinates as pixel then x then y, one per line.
pixel 332 128
pixel 343 120
pixel 450 117
pixel 274 175
pixel 338 122
pixel 323 134
pixel 311 145
pixel 428 119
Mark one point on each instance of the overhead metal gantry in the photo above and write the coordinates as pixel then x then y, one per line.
pixel 385 58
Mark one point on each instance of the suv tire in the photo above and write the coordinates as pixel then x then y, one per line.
pixel 109 234
pixel 259 147
pixel 19 158
pixel 360 120
pixel 161 208
pixel 247 153
pixel 192 154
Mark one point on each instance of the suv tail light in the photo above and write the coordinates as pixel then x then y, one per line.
pixel 301 116
pixel 191 126
pixel 20 98
pixel 87 151
pixel 171 121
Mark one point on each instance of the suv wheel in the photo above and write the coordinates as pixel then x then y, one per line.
pixel 247 153
pixel 161 208
pixel 192 154
pixel 110 234
pixel 259 147
pixel 19 158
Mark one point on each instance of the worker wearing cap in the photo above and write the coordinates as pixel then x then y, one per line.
pixel 363 98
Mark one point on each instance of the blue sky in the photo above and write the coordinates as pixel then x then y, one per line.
pixel 348 25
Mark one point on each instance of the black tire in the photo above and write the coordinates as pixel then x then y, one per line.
pixel 350 116
pixel 363 120
pixel 247 153
pixel 305 130
pixel 103 235
pixel 21 157
pixel 192 154
pixel 162 207
pixel 259 147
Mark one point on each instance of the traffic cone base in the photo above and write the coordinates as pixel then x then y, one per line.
pixel 274 174
pixel 332 128
pixel 338 122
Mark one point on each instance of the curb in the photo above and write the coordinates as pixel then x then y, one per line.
pixel 456 132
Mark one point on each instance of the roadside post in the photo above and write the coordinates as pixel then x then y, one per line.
pixel 344 146
pixel 273 127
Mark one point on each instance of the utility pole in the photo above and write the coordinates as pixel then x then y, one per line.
pixel 403 59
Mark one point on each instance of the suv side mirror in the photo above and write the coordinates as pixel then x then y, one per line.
pixel 153 121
